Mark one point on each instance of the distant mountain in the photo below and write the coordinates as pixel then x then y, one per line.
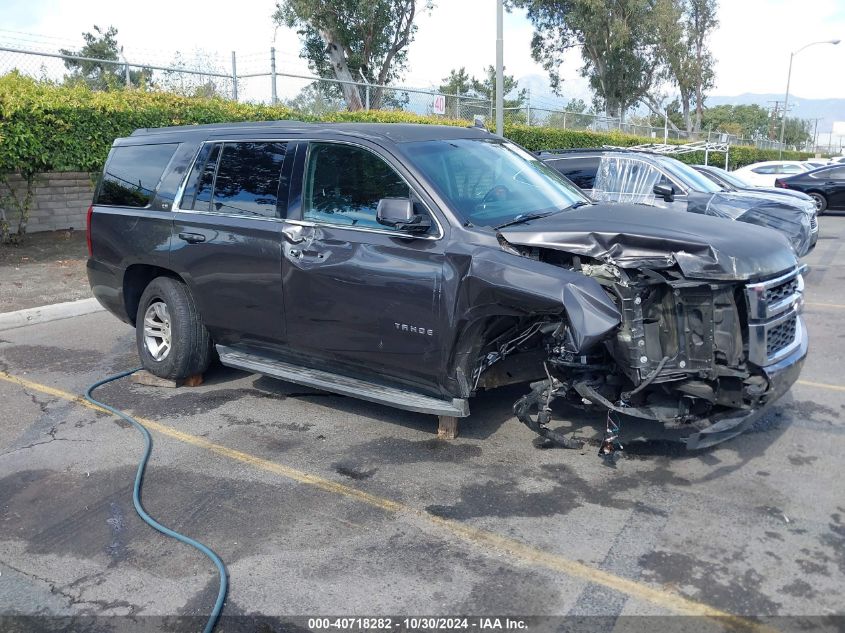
pixel 828 110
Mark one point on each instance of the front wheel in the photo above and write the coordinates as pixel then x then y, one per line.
pixel 171 338
pixel 820 200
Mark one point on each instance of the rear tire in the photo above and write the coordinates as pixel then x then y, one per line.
pixel 820 200
pixel 171 338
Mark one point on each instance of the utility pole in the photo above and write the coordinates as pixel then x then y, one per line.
pixel 273 96
pixel 773 119
pixel 500 69
pixel 234 77
pixel 816 134
pixel 528 107
pixel 788 79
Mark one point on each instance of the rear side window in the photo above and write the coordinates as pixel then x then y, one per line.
pixel 836 173
pixel 132 174
pixel 581 171
pixel 236 178
pixel 247 180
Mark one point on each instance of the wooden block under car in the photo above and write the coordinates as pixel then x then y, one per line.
pixel 144 377
pixel 447 427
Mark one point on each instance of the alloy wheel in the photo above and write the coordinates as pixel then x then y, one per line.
pixel 157 333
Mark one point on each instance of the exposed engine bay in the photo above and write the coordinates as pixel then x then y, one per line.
pixel 686 352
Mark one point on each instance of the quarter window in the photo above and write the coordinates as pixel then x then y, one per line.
pixel 343 185
pixel 201 181
pixel 132 174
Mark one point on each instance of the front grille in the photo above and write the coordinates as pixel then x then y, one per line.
pixel 774 328
pixel 769 298
pixel 814 223
pixel 779 293
pixel 780 336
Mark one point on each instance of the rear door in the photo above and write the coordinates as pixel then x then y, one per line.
pixel 227 238
pixel 359 293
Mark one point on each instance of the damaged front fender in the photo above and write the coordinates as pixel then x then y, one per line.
pixel 493 286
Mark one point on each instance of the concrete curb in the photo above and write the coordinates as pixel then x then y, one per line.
pixel 45 314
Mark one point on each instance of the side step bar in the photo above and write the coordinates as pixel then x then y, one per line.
pixel 344 385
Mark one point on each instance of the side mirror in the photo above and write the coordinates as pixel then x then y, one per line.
pixel 398 213
pixel 667 192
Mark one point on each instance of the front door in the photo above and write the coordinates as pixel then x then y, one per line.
pixel 358 293
pixel 227 239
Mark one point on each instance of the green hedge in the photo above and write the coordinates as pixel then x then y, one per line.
pixel 46 127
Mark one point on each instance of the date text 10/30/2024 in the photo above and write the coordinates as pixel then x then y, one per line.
pixel 417 623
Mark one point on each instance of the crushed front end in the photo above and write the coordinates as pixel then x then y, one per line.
pixel 703 357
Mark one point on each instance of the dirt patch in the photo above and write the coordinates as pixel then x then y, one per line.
pixel 47 268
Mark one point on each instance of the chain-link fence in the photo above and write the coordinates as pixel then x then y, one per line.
pixel 254 77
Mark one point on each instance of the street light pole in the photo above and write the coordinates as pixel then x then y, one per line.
pixel 788 79
pixel 500 63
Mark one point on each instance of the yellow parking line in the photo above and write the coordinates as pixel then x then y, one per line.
pixel 821 385
pixel 813 304
pixel 486 540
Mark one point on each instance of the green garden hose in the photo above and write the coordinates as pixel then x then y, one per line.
pixel 136 497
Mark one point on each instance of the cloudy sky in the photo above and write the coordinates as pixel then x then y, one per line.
pixel 752 43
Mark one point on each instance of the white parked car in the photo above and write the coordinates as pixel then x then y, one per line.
pixel 764 174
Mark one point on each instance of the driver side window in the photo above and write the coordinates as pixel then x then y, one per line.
pixel 344 183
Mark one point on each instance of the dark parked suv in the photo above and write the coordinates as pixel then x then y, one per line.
pixel 645 178
pixel 416 266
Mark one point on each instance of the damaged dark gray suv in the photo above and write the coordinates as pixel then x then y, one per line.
pixel 416 266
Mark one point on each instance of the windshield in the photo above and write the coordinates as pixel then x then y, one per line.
pixel 731 179
pixel 490 182
pixel 688 176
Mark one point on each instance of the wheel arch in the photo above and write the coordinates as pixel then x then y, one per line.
pixel 136 279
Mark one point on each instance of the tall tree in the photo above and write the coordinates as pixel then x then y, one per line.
pixel 616 39
pixel 683 29
pixel 484 90
pixel 577 115
pixel 458 83
pixel 797 131
pixel 101 44
pixel 749 121
pixel 346 39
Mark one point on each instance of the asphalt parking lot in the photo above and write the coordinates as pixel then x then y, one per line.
pixel 324 505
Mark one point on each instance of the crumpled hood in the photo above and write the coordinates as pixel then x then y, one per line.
pixel 787 215
pixel 631 236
